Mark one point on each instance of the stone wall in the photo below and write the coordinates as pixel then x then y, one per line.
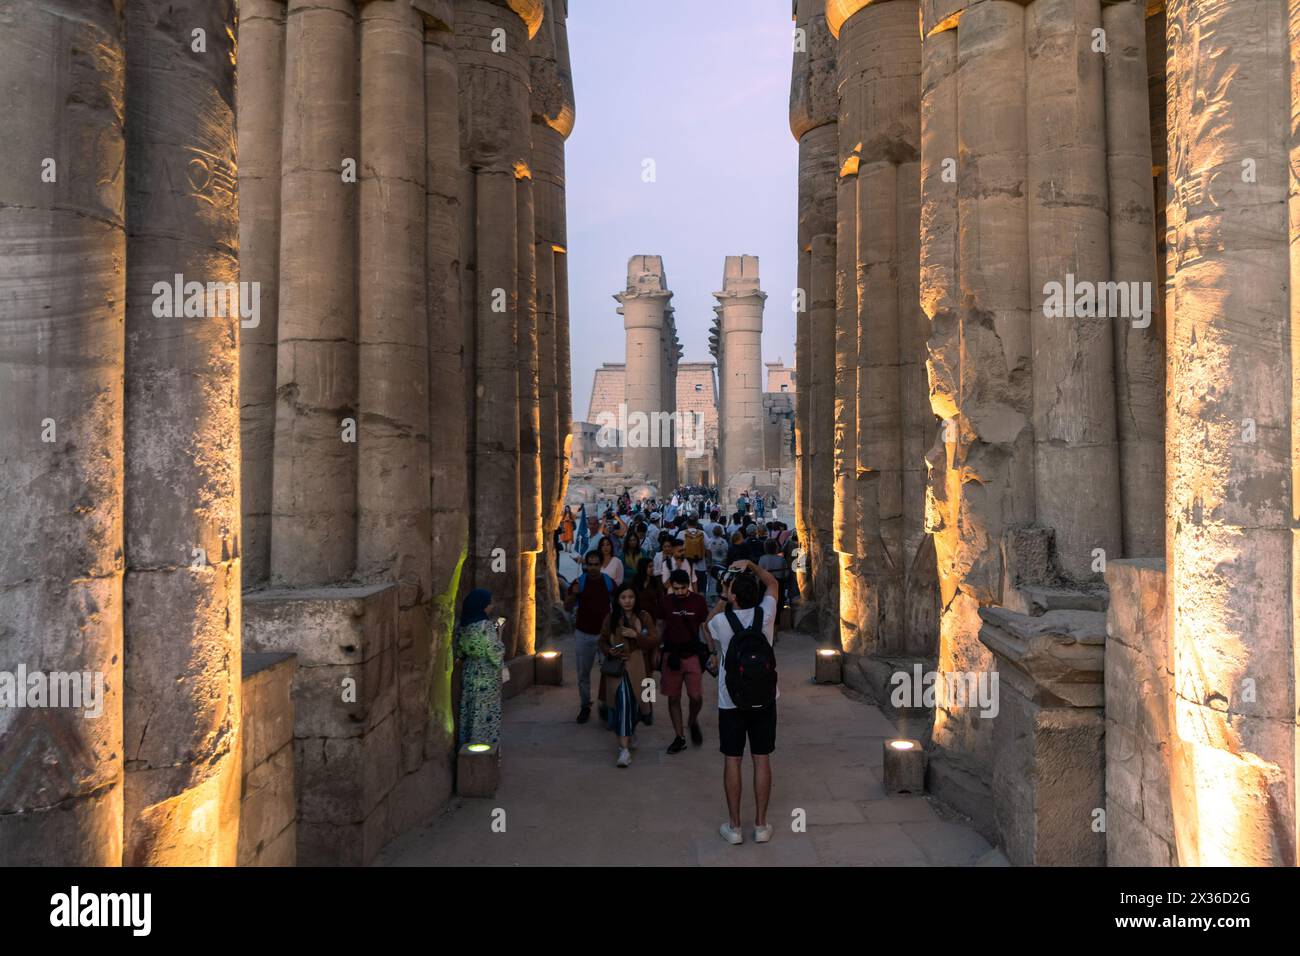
pixel 268 808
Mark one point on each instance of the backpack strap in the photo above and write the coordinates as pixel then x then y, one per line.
pixel 736 626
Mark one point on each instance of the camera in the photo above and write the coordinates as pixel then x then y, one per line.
pixel 725 575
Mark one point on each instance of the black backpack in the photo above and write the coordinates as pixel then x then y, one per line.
pixel 750 664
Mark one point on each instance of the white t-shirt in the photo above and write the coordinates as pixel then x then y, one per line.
pixel 721 632
pixel 615 570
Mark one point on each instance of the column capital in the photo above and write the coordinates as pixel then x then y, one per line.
pixel 532 12
pixel 838 12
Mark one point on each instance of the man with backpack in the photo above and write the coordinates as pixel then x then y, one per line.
pixel 741 632
pixel 592 594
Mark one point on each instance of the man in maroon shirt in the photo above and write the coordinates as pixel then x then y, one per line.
pixel 591 595
pixel 682 611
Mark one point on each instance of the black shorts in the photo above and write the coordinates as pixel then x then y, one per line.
pixel 758 725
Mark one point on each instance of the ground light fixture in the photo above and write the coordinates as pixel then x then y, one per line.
pixel 904 766
pixel 828 667
pixel 478 769
pixel 548 667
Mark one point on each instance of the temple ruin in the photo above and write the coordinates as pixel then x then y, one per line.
pixel 284 351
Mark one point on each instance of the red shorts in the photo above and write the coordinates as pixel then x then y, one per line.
pixel 671 681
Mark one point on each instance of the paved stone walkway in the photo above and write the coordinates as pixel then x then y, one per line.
pixel 567 804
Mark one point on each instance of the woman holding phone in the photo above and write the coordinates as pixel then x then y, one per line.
pixel 481 653
pixel 627 634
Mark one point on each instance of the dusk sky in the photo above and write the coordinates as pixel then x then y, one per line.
pixel 702 88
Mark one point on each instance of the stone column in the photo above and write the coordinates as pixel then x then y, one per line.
pixel 1067 190
pixel 672 355
pixel 1234 214
pixel 975 287
pixel 182 587
pixel 814 115
pixel 450 375
pixel 261 117
pixel 553 116
pixel 741 412
pixel 530 448
pixel 314 497
pixel 846 392
pixel 393 504
pixel 879 81
pixel 62 295
pixel 492 53
pixel 1139 351
pixel 644 306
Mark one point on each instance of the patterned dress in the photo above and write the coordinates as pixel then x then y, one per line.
pixel 480 646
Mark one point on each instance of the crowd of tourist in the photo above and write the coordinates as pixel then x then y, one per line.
pixel 675 588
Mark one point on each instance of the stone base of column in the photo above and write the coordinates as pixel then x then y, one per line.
pixel 1049 761
pixel 347 744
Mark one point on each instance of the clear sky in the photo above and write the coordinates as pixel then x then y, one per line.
pixel 702 87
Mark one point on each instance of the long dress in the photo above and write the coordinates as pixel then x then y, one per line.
pixel 481 648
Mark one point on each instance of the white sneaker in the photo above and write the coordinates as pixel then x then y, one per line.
pixel 624 757
pixel 731 834
pixel 763 834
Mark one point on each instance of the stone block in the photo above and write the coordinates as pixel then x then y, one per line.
pixel 342 779
pixel 829 666
pixel 420 795
pixel 549 669
pixel 1048 760
pixel 267 807
pixel 339 625
pixel 267 706
pixel 904 766
pixel 347 737
pixel 478 773
pixel 521 669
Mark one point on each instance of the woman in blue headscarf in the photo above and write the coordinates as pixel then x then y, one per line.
pixel 479 647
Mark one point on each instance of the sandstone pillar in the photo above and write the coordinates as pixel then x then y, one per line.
pixel 62 295
pixel 182 585
pixel 668 401
pixel 393 504
pixel 314 497
pixel 492 53
pixel 879 80
pixel 450 375
pixel 740 417
pixel 1234 214
pixel 261 109
pixel 846 394
pixel 1074 423
pixel 1139 352
pixel 644 304
pixel 530 449
pixel 975 287
pixel 552 106
pixel 814 115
